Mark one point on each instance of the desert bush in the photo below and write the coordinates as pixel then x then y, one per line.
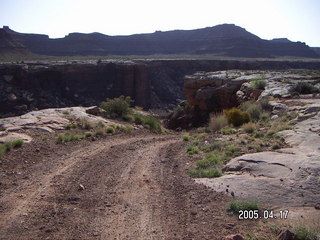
pixel 99 132
pixel 253 108
pixel 258 84
pixel 205 173
pixel 138 119
pixel 110 130
pixel 303 88
pixel 192 150
pixel 126 129
pixel 217 122
pixel 3 149
pixel 71 125
pixel 68 137
pixel 228 131
pixel 85 124
pixel 211 160
pixel 186 138
pixel 88 134
pixel 65 112
pixel 235 206
pixel 306 233
pixel 212 146
pixel 17 143
pixel 231 150
pixel 236 117
pixel 117 107
pixel 148 122
pixel 249 127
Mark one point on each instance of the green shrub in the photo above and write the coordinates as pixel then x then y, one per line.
pixel 253 108
pixel 65 112
pixel 236 117
pixel 110 130
pixel 186 138
pixel 249 127
pixel 258 84
pixel 232 150
pixel 303 88
pixel 205 173
pixel 100 124
pixel 258 134
pixel 217 122
pixel 126 129
pixel 235 206
pixel 76 137
pixel 88 134
pixel 228 131
pixel 59 139
pixel 192 150
pixel 71 125
pixel 213 146
pixel 3 150
pixel 138 119
pixel 85 124
pixel 305 233
pixel 99 132
pixel 211 160
pixel 153 123
pixel 117 107
pixel 17 143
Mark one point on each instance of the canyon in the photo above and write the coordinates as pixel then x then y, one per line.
pixel 28 86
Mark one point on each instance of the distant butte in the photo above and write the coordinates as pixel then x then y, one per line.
pixel 222 40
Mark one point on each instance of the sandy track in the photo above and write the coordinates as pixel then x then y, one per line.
pixel 135 188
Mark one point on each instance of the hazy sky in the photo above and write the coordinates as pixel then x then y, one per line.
pixel 298 20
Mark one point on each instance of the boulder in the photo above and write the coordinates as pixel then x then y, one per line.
pixel 286 234
pixel 234 237
pixel 211 91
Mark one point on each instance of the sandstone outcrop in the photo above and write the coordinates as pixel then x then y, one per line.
pixel 213 91
pixel 286 177
pixel 47 120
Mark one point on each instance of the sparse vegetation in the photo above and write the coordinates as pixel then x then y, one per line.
pixel 306 233
pixel 217 122
pixel 148 122
pixel 303 88
pixel 258 84
pixel 192 150
pixel 110 130
pixel 65 112
pixel 117 107
pixel 205 173
pixel 249 127
pixel 88 134
pixel 186 138
pixel 7 146
pixel 236 205
pixel 228 131
pixel 236 117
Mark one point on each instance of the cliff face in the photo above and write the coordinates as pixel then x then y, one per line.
pixel 27 87
pixel 221 40
pixel 156 84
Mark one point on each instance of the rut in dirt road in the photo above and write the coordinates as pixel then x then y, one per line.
pixel 135 188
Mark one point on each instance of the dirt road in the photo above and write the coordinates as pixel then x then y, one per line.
pixel 135 187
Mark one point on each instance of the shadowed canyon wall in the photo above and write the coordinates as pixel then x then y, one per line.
pixel 154 83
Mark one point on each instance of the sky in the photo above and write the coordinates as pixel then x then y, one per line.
pixel 297 20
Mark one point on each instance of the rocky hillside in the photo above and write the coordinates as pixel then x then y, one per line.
pixel 221 40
